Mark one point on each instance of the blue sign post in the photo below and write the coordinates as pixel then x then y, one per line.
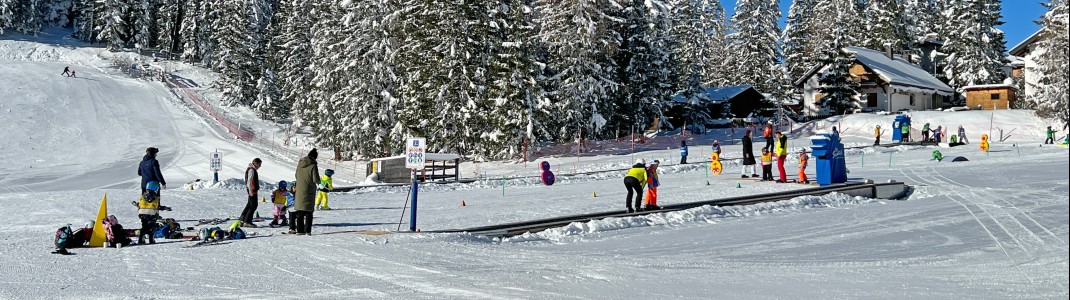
pixel 415 149
pixel 216 163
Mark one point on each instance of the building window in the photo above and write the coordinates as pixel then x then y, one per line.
pixel 871 100
pixel 912 102
pixel 995 96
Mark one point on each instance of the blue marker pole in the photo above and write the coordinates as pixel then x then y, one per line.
pixel 412 215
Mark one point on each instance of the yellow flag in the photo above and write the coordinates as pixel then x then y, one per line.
pixel 99 235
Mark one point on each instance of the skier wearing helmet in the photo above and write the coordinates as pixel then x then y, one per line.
pixel 717 147
pixel 149 169
pixel 634 182
pixel 279 197
pixel 148 209
pixel 326 186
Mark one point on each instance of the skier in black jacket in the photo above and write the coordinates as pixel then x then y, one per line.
pixel 748 156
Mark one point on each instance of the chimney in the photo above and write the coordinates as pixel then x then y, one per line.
pixel 888 50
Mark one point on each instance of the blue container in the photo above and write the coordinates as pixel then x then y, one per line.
pixel 831 163
pixel 897 126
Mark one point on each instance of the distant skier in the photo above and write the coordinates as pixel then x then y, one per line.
pixel 72 74
pixel 803 160
pixel 938 134
pixel 66 71
pixel 683 152
pixel 149 169
pixel 716 148
pixel 905 130
pixel 877 135
pixel 748 156
pixel 925 133
pixel 634 182
pixel 768 134
pixel 252 188
pixel 962 135
pixel 937 156
pixel 1051 136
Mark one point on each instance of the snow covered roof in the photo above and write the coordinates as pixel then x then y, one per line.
pixel 719 94
pixel 988 86
pixel 1022 48
pixel 896 72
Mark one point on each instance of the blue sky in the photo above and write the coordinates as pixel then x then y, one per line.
pixel 1017 14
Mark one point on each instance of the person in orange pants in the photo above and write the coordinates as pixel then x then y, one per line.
pixel 782 155
pixel 652 186
pixel 803 158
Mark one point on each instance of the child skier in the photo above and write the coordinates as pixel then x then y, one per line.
pixel 767 165
pixel 633 182
pixel 652 186
pixel 290 209
pixel 905 130
pixel 279 198
pixel 683 152
pixel 1051 136
pixel 326 185
pixel 717 147
pixel 148 209
pixel 937 156
pixel 803 159
pixel 877 135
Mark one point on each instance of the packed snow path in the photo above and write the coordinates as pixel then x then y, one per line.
pixel 68 133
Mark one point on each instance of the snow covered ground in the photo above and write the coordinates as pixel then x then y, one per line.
pixel 995 227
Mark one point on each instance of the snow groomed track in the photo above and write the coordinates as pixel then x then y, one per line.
pixel 890 190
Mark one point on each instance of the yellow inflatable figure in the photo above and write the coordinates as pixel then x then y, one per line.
pixel 715 163
pixel 984 143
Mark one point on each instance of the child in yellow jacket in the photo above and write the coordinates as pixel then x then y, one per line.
pixel 279 199
pixel 767 165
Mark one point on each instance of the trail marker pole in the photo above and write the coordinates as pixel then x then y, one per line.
pixel 415 159
pixel 863 159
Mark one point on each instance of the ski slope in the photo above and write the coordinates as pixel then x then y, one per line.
pixel 995 227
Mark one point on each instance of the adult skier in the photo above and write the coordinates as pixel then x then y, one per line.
pixel 634 182
pixel 782 155
pixel 768 134
pixel 66 71
pixel 149 169
pixel 962 135
pixel 308 175
pixel 252 188
pixel 748 156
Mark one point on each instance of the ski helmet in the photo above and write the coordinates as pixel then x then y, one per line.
pixel 640 161
pixel 715 142
pixel 282 184
pixel 328 172
pixel 153 186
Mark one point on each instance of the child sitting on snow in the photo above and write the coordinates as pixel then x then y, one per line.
pixel 767 165
pixel 278 197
